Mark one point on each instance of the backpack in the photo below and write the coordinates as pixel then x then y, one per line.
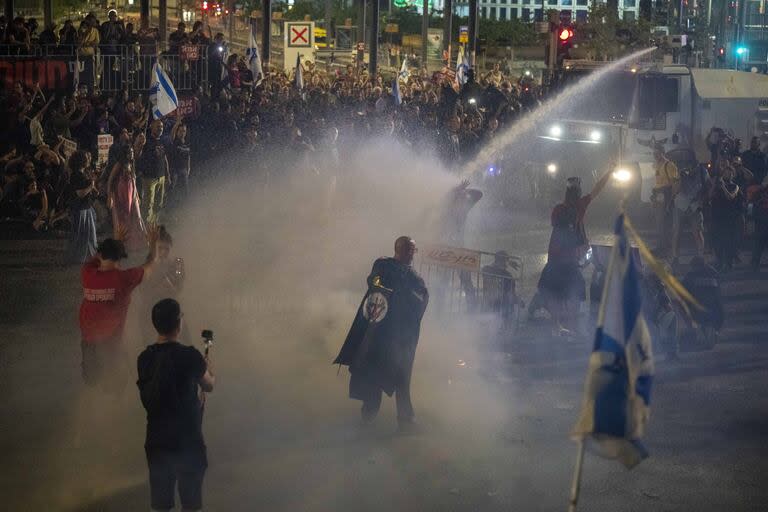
pixel 159 394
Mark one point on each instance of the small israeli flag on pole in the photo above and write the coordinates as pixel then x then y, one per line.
pixel 462 66
pixel 254 59
pixel 162 95
pixel 396 92
pixel 617 392
pixel 404 73
pixel 298 77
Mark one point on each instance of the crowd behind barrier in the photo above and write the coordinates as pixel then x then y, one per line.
pixel 226 112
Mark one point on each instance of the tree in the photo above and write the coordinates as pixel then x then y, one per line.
pixel 605 37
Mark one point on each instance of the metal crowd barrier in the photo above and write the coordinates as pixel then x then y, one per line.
pixel 110 68
pixel 471 289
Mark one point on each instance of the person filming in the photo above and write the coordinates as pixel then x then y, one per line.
pixel 170 377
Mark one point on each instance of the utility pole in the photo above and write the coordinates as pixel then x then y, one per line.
pixel 328 23
pixel 447 28
pixel 231 19
pixel 143 12
pixel 9 11
pixel 424 32
pixel 361 20
pixel 374 49
pixel 47 12
pixel 266 31
pixel 162 7
pixel 472 32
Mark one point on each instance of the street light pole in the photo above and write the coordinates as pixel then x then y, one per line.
pixel 472 32
pixel 374 49
pixel 424 32
pixel 266 30
pixel 447 28
pixel 163 21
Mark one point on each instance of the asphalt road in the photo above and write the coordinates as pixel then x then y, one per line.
pixel 282 437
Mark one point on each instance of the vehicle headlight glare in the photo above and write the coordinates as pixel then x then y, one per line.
pixel 622 175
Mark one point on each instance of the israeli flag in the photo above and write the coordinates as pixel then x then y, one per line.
pixel 254 60
pixel 617 392
pixel 76 77
pixel 462 67
pixel 298 77
pixel 404 73
pixel 224 69
pixel 396 92
pixel 162 95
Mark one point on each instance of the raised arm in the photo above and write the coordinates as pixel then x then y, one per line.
pixel 600 185
pixel 151 262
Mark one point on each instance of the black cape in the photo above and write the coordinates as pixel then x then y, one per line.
pixel 381 343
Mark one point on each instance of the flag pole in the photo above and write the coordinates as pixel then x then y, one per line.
pixel 577 470
pixel 576 482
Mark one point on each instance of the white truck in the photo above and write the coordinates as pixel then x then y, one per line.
pixel 674 104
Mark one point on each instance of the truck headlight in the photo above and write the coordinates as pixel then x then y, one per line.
pixel 622 175
pixel 555 130
pixel 552 168
pixel 595 135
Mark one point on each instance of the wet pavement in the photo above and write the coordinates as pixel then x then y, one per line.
pixel 495 414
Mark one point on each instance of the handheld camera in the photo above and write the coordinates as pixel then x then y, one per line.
pixel 207 336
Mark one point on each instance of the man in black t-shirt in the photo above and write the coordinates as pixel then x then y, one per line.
pixel 152 165
pixel 169 377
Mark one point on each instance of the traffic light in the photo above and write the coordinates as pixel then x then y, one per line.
pixel 564 42
pixel 205 5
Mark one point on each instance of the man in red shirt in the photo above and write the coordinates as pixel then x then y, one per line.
pixel 562 285
pixel 106 296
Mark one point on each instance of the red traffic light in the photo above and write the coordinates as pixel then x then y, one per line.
pixel 565 34
pixel 205 5
pixel 721 51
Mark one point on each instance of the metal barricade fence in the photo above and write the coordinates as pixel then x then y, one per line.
pixel 109 68
pixel 479 290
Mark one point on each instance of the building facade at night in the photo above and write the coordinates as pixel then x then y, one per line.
pixel 530 10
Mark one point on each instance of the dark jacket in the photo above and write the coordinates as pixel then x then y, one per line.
pixel 382 340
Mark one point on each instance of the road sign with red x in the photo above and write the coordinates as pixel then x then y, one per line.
pixel 300 35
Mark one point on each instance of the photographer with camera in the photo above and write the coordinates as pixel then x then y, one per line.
pixel 170 377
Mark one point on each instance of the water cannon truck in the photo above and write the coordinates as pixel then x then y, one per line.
pixel 641 105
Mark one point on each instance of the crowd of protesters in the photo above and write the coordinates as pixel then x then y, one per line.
pixel 721 202
pixel 48 185
pixel 314 120
pixel 20 36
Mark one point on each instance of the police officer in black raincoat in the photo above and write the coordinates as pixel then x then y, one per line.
pixel 381 345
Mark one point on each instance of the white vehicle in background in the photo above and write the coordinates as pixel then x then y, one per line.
pixel 674 104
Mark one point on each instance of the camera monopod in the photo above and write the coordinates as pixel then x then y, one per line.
pixel 207 336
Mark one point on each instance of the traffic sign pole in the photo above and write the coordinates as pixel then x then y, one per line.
pixel 374 49
pixel 472 32
pixel 447 28
pixel 266 30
